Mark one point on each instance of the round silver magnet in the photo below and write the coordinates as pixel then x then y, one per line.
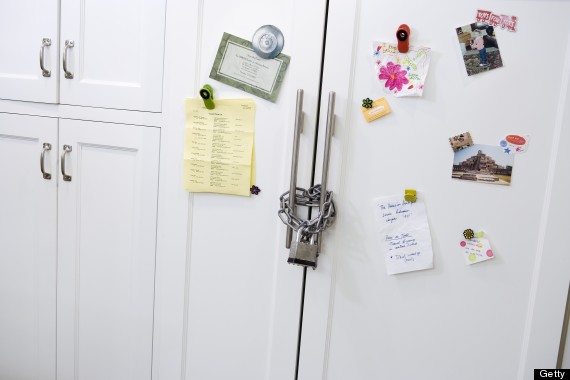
pixel 267 41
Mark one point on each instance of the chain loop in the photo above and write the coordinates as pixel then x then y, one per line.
pixel 310 197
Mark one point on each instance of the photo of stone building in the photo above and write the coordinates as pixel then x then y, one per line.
pixel 483 163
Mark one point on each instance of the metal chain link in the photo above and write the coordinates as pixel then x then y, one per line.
pixel 310 197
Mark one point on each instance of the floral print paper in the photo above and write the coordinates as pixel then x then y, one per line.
pixel 401 74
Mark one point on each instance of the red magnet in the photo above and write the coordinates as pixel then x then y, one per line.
pixel 403 36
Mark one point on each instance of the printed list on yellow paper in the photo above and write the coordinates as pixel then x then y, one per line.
pixel 218 151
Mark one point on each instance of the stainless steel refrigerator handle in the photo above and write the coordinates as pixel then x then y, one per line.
pixel 45 42
pixel 328 138
pixel 46 146
pixel 295 160
pixel 68 44
pixel 66 149
pixel 326 156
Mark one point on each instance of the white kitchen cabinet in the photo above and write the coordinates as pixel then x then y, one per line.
pixel 102 53
pixel 104 221
pixel 106 251
pixel 23 27
pixel 28 244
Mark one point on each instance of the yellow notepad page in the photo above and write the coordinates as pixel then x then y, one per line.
pixel 218 151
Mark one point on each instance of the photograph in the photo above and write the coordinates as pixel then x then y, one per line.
pixel 479 47
pixel 483 163
pixel 461 141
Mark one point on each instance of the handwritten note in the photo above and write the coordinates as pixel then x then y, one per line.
pixel 404 234
pixel 476 250
pixel 219 152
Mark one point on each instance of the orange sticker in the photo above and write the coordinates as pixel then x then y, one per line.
pixel 516 140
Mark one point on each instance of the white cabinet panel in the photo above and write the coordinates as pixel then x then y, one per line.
pixel 27 248
pixel 117 56
pixel 453 321
pixel 23 26
pixel 107 233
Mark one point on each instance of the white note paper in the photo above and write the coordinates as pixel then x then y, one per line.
pixel 404 234
pixel 476 250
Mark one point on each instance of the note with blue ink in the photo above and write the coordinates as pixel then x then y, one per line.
pixel 404 235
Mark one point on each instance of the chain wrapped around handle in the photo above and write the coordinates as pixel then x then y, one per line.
pixel 310 197
pixel 305 248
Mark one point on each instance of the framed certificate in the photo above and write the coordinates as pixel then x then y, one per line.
pixel 239 66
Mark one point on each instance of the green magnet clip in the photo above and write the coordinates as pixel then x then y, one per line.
pixel 207 95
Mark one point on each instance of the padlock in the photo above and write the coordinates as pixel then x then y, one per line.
pixel 304 250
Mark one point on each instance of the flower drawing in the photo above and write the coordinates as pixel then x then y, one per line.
pixel 395 78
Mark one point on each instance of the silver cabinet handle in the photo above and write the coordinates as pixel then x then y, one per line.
pixel 68 44
pixel 295 160
pixel 326 155
pixel 45 42
pixel 66 149
pixel 46 147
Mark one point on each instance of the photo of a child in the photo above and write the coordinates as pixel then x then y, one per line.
pixel 479 48
pixel 479 44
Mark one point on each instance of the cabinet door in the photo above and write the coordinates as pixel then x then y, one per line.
pixel 243 297
pixel 27 248
pixel 117 53
pixel 23 27
pixel 106 237
pixel 492 320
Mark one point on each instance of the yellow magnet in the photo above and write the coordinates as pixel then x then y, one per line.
pixel 410 195
pixel 376 110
